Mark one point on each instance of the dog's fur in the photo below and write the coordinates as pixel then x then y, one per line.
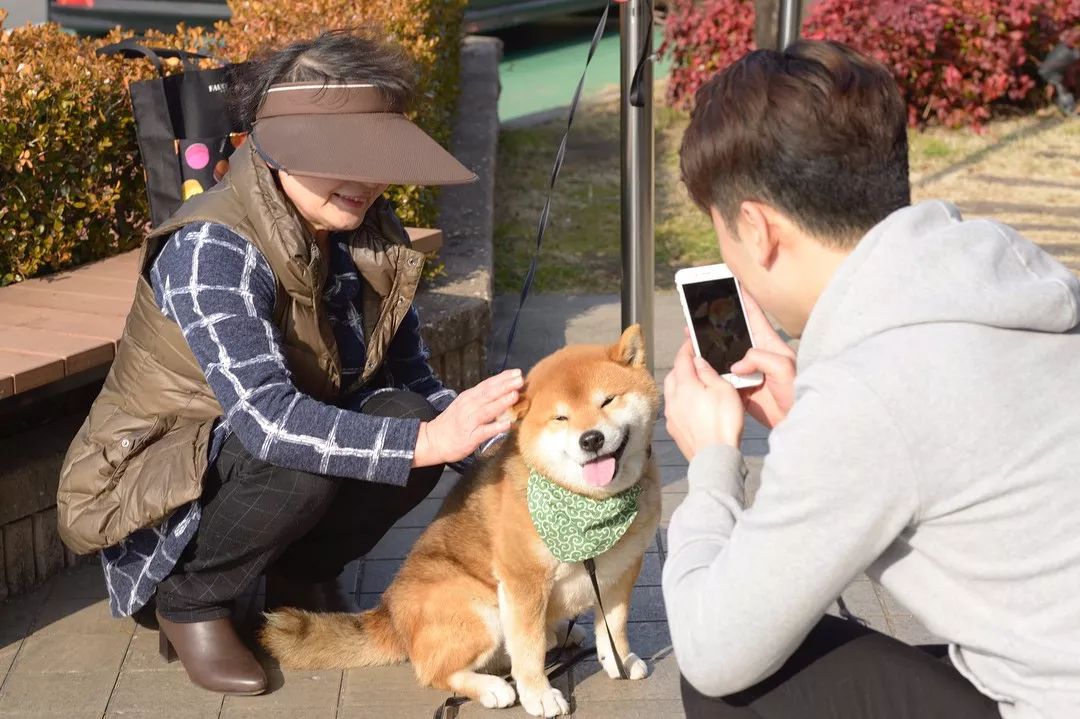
pixel 480 590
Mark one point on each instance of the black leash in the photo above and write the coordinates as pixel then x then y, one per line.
pixel 545 214
pixel 590 567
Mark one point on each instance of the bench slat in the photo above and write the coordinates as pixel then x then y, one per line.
pixel 25 372
pixel 81 324
pixel 111 287
pixel 425 239
pixel 18 295
pixel 77 353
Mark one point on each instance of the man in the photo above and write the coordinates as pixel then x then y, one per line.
pixel 927 433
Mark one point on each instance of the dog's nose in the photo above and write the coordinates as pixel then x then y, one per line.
pixel 592 440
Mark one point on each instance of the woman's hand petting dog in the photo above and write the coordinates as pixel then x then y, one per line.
pixel 770 401
pixel 473 418
pixel 701 407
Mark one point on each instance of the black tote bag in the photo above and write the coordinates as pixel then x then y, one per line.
pixel 184 132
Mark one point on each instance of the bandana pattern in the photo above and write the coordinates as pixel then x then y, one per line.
pixel 574 527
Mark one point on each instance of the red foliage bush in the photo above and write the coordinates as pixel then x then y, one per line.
pixel 704 37
pixel 955 61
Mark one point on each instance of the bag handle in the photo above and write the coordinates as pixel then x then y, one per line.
pixel 130 48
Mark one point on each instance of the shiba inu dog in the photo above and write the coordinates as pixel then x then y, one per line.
pixel 483 588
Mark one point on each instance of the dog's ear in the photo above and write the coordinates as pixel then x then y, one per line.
pixel 518 411
pixel 630 349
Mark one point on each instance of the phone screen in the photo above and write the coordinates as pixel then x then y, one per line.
pixel 718 322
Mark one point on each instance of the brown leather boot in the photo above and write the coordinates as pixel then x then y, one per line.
pixel 318 597
pixel 213 655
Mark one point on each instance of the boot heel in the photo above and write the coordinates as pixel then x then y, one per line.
pixel 165 648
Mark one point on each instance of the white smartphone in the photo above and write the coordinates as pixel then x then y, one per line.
pixel 712 303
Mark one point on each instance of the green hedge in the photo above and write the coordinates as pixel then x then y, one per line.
pixel 71 184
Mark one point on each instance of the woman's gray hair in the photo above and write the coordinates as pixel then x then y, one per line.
pixel 334 57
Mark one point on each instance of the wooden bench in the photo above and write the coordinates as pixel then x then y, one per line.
pixel 63 329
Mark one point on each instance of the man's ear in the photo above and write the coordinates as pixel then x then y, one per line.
pixel 757 228
pixel 630 349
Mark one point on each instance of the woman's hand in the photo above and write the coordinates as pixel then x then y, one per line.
pixel 770 401
pixel 473 418
pixel 701 407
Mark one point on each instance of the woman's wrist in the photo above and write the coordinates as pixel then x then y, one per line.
pixel 424 452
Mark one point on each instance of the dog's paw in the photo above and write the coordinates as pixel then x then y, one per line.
pixel 636 668
pixel 496 693
pixel 545 701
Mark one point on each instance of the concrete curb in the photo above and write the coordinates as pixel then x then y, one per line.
pixel 456 309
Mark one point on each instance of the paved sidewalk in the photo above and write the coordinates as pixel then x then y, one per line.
pixel 61 655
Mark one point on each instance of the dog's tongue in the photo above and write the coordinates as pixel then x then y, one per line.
pixel 599 472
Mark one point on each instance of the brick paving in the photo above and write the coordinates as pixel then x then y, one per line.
pixel 62 655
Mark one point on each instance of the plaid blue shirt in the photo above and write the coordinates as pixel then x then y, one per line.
pixel 220 289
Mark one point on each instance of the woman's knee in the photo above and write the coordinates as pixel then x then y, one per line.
pixel 400 404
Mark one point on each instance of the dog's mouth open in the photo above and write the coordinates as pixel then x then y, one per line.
pixel 601 471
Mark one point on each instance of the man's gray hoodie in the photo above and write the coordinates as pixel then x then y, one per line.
pixel 934 444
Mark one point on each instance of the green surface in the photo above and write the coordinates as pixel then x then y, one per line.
pixel 543 62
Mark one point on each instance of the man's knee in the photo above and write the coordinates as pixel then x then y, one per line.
pixel 399 404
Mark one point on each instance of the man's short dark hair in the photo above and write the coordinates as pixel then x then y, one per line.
pixel 818 131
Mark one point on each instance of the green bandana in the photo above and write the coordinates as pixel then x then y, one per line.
pixel 576 528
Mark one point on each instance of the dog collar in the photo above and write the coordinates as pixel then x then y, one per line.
pixel 574 527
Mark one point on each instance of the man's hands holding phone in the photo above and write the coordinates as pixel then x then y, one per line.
pixel 703 409
pixel 770 401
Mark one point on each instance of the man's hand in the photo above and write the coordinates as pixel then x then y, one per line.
pixel 701 407
pixel 473 418
pixel 770 401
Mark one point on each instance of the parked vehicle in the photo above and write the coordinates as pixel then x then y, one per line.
pixel 99 16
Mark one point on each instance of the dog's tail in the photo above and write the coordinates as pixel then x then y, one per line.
pixel 306 640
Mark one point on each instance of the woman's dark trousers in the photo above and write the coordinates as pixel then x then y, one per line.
pixel 307 526
pixel 846 671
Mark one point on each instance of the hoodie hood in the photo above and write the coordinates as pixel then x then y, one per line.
pixel 925 264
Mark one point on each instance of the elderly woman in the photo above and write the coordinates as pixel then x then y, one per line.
pixel 271 408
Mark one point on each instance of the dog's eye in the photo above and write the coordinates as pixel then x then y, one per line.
pixel 561 418
pixel 608 400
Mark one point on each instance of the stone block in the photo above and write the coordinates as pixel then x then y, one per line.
pixel 473 363
pixel 53 653
pixel 389 685
pixel 452 371
pixel 307 693
pixel 862 601
pixel 3 571
pixel 84 582
pixel 395 544
pixel 48 549
pixel 76 695
pixel 378 573
pixel 436 362
pixel 666 454
pixel 80 616
pixel 19 556
pixel 137 692
pixel 28 482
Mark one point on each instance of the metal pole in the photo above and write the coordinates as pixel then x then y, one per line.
pixel 789 24
pixel 636 136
